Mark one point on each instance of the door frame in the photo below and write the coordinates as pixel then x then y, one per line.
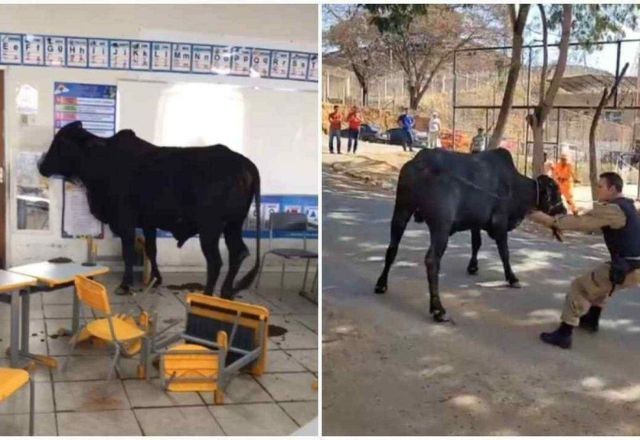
pixel 3 176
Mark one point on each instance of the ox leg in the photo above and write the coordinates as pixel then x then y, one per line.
pixel 152 251
pixel 476 242
pixel 401 216
pixel 439 241
pixel 238 251
pixel 503 250
pixel 209 245
pixel 129 256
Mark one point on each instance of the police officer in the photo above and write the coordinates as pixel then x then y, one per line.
pixel 406 123
pixel 619 221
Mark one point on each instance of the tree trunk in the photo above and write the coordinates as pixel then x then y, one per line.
pixel 593 163
pixel 538 149
pixel 365 95
pixel 414 100
pixel 512 79
pixel 537 119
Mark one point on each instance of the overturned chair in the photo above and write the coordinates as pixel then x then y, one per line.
pixel 221 338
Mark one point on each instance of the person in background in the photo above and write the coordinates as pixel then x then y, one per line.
pixel 434 130
pixel 617 218
pixel 548 166
pixel 564 175
pixel 335 125
pixel 406 122
pixel 479 142
pixel 355 121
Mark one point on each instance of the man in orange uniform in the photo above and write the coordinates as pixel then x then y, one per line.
pixel 563 174
pixel 335 124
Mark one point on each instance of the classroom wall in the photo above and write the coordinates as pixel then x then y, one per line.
pixel 277 118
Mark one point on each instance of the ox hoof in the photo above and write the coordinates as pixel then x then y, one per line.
pixel 440 316
pixel 123 290
pixel 515 284
pixel 472 270
pixel 380 289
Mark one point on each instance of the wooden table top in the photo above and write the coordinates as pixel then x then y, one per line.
pixel 56 274
pixel 10 282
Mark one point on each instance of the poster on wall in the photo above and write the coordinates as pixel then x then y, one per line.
pixel 95 106
pixel 140 55
pixel 77 220
pixel 54 50
pixel 221 60
pixel 77 53
pixel 33 49
pixel 299 64
pixel 260 62
pixel 161 56
pixel 32 193
pixel 201 59
pixel 241 61
pixel 181 58
pixel 119 54
pixel 98 54
pixel 11 49
pixel 279 64
pixel 270 204
pixel 313 67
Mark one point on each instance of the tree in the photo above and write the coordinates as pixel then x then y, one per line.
pixel 422 38
pixel 358 44
pixel 606 97
pixel 518 21
pixel 586 23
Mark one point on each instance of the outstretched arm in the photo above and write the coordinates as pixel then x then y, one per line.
pixel 600 216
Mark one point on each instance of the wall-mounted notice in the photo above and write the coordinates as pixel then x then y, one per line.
pixel 99 54
pixel 221 60
pixel 119 54
pixel 181 58
pixel 140 55
pixel 299 64
pixel 241 61
pixel 161 56
pixel 313 67
pixel 33 49
pixel 77 53
pixel 77 220
pixel 279 64
pixel 95 106
pixel 260 62
pixel 54 50
pixel 11 49
pixel 201 59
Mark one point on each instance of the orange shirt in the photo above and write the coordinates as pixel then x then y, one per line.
pixel 563 173
pixel 335 120
pixel 354 121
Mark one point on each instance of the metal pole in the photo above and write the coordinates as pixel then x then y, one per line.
pixel 557 133
pixel 526 133
pixel 615 97
pixel 454 100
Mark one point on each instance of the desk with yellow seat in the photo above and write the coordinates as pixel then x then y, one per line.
pixel 11 380
pixel 123 333
pixel 221 338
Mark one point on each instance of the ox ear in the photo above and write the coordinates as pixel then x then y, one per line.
pixel 74 125
pixel 127 132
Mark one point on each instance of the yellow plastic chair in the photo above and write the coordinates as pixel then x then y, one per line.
pixel 117 330
pixel 11 380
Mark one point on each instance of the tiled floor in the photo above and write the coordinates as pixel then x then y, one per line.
pixel 80 401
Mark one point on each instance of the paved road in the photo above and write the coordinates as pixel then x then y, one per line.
pixel 388 369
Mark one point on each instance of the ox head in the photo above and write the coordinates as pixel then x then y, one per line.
pixel 63 156
pixel 549 198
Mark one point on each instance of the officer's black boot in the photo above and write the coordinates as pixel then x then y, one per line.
pixel 590 321
pixel 561 337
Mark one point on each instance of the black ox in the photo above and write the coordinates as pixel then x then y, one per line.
pixel 131 183
pixel 453 192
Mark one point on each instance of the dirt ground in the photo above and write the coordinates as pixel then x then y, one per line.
pixel 390 370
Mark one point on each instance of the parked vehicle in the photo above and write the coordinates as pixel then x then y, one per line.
pixel 368 133
pixel 396 137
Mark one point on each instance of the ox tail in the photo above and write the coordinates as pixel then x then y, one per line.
pixel 247 280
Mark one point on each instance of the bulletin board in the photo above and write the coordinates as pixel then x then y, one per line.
pixel 157 56
pixel 95 106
